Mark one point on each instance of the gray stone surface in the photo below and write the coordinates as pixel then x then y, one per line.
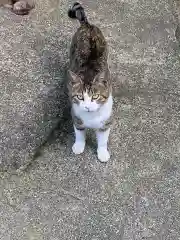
pixel 136 195
pixel 33 62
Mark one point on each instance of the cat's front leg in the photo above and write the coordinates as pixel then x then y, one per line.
pixel 80 138
pixel 79 145
pixel 102 141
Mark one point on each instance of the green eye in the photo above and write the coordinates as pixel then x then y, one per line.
pixel 80 97
pixel 95 96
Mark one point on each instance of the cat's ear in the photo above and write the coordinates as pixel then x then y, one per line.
pixel 101 78
pixel 74 79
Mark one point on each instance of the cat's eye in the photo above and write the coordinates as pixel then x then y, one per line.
pixel 95 96
pixel 80 97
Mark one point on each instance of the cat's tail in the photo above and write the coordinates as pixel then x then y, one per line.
pixel 77 11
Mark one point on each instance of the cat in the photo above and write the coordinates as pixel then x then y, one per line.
pixel 89 84
pixel 19 7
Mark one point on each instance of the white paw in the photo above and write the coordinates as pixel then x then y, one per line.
pixel 103 154
pixel 78 147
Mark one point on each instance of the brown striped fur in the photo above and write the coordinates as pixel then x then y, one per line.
pixel 88 70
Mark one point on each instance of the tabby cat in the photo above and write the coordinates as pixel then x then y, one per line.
pixel 90 87
pixel 19 7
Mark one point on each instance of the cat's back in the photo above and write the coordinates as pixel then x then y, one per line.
pixel 88 41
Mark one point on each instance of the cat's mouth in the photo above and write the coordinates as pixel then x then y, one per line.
pixel 88 110
pixel 91 110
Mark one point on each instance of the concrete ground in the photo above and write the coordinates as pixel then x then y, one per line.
pixel 136 194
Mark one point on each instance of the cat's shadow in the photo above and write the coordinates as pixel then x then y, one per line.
pixel 55 65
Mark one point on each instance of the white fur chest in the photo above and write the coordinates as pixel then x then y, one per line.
pixel 94 119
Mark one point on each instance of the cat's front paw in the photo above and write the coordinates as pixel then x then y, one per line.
pixel 78 147
pixel 103 154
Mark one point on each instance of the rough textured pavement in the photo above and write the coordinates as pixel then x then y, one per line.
pixel 34 56
pixel 136 195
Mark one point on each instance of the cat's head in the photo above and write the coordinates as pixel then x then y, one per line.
pixel 89 97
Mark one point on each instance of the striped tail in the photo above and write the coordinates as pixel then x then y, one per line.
pixel 77 11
